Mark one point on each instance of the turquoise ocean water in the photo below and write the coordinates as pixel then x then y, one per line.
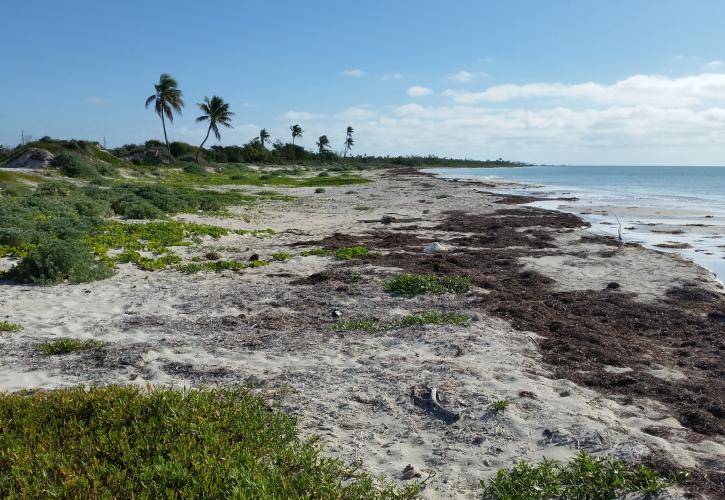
pixel 691 199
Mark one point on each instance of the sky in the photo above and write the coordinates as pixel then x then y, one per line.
pixel 560 81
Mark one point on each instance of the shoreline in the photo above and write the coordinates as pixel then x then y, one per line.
pixel 693 233
pixel 537 335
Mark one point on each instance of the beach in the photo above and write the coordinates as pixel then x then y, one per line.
pixel 597 345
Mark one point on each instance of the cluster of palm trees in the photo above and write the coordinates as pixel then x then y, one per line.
pixel 167 100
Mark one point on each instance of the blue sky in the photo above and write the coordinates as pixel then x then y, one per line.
pixel 639 82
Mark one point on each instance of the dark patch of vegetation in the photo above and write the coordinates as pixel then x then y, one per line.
pixel 123 442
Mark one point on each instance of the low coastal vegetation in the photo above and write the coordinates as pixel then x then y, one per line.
pixel 500 405
pixel 6 326
pixel 410 285
pixel 124 442
pixel 423 318
pixel 67 345
pixel 345 253
pixel 584 476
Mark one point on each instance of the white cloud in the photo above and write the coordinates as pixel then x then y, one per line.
pixel 635 90
pixel 714 66
pixel 418 91
pixel 354 73
pixel 617 134
pixel 94 101
pixel 391 76
pixel 300 116
pixel 466 76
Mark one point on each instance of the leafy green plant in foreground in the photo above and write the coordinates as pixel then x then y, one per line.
pixel 123 442
pixel 583 477
pixel 410 285
pixel 65 345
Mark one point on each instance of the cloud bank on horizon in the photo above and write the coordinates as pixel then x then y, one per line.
pixel 642 118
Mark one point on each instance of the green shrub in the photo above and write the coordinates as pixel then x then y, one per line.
pixel 133 207
pixel 125 442
pixel 6 326
pixel 72 165
pixel 65 345
pixel 410 285
pixel 195 169
pixel 54 261
pixel 584 476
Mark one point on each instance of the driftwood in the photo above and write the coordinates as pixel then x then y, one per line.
pixel 389 219
pixel 431 404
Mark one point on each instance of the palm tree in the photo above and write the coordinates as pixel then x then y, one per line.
pixel 167 99
pixel 296 132
pixel 216 111
pixel 349 142
pixel 264 137
pixel 322 143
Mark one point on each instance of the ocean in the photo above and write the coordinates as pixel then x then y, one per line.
pixel 660 207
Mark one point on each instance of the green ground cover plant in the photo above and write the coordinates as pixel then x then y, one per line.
pixel 583 477
pixel 500 405
pixel 410 285
pixel 423 318
pixel 434 318
pixel 345 253
pixel 66 345
pixel 124 442
pixel 281 256
pixel 6 326
pixel 219 265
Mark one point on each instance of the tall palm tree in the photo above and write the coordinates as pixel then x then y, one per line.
pixel 296 132
pixel 264 137
pixel 167 99
pixel 323 143
pixel 349 142
pixel 216 112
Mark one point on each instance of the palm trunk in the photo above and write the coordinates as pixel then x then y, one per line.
pixel 202 143
pixel 293 140
pixel 163 124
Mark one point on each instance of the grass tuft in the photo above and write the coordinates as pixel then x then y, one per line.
pixel 6 326
pixel 434 318
pixel 584 476
pixel 500 405
pixel 410 285
pixel 365 325
pixel 66 345
pixel 281 256
pixel 124 442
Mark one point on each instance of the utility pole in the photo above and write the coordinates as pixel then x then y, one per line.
pixel 22 137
